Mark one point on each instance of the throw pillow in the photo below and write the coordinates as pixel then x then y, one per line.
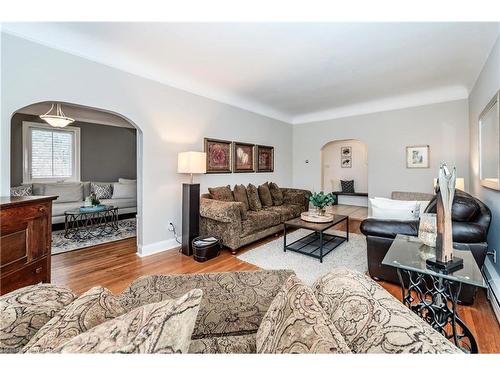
pixel 24 311
pixel 240 195
pixel 391 209
pixel 243 210
pixel 162 327
pixel 92 308
pixel 66 192
pixel 265 195
pixel 253 198
pixel 347 186
pixel 296 323
pixel 222 193
pixel 21 191
pixel 101 190
pixel 276 194
pixel 124 191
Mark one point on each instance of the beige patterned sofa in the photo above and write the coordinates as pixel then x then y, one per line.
pixel 239 312
pixel 225 219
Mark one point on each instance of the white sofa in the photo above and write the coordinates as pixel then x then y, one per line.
pixel 72 195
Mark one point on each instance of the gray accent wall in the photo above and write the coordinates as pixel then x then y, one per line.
pixel 487 84
pixel 107 152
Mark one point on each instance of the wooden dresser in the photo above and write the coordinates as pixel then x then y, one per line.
pixel 25 241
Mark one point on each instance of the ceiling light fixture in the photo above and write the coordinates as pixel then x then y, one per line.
pixel 59 119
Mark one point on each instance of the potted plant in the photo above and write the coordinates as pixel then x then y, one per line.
pixel 321 200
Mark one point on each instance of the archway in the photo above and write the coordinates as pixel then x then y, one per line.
pixel 345 159
pixel 92 116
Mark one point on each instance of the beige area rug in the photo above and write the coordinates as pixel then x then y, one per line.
pixel 351 255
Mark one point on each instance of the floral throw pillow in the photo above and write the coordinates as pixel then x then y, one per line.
pixel 296 323
pixel 92 308
pixel 162 327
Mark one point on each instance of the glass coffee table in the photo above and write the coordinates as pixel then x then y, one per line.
pixel 84 224
pixel 316 244
pixel 432 293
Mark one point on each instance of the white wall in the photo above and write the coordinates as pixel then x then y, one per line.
pixel 443 126
pixel 333 171
pixel 171 121
pixel 487 84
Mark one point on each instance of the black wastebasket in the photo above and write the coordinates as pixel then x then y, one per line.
pixel 206 248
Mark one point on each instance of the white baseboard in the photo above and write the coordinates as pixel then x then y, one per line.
pixel 157 247
pixel 493 280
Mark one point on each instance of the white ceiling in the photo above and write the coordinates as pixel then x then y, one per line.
pixel 295 72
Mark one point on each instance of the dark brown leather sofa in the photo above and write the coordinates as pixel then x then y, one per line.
pixel 470 220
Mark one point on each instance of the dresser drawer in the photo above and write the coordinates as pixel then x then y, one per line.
pixel 33 273
pixel 12 217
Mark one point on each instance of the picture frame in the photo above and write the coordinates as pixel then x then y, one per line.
pixel 417 156
pixel 346 162
pixel 219 155
pixel 264 158
pixel 345 151
pixel 243 157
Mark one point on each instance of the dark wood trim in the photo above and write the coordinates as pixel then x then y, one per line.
pixel 8 202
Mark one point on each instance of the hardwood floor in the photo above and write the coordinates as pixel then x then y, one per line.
pixel 115 265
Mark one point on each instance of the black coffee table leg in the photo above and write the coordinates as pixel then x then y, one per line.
pixel 321 247
pixel 347 230
pixel 284 238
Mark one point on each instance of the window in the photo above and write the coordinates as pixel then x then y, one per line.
pixel 50 154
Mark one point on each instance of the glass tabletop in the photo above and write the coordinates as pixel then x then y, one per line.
pixel 89 210
pixel 409 253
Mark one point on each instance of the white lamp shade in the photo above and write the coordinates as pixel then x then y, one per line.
pixel 191 162
pixel 459 183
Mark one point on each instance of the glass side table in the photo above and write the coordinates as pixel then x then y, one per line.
pixel 431 293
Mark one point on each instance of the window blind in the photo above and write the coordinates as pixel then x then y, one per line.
pixel 51 153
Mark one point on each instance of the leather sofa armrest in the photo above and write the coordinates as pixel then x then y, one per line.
pixel 389 228
pixel 225 212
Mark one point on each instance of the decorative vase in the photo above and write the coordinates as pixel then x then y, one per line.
pixel 321 211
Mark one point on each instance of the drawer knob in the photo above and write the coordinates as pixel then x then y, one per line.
pixel 41 209
pixel 38 270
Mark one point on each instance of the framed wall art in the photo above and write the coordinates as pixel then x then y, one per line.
pixel 346 157
pixel 265 158
pixel 243 157
pixel 219 153
pixel 417 156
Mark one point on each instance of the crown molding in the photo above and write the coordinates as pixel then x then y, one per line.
pixel 416 99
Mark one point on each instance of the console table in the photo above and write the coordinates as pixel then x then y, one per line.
pixel 432 293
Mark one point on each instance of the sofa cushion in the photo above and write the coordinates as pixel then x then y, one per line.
pixel 239 344
pixel 286 211
pixel 66 192
pixel 92 308
pixel 233 302
pixel 257 220
pixel 24 311
pixel 276 194
pixel 265 195
pixel 253 198
pixel 101 190
pixel 124 191
pixel 296 323
pixel 221 193
pixel 240 195
pixel 372 320
pixel 58 209
pixel 162 327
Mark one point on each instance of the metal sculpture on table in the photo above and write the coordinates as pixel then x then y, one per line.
pixel 445 191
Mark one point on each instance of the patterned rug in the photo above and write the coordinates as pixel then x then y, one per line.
pixel 60 244
pixel 351 255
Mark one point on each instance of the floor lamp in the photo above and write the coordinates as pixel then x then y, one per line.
pixel 190 162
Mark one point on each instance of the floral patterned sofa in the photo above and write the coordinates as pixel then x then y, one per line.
pixel 238 226
pixel 239 312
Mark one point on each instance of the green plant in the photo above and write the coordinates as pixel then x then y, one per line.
pixel 321 200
